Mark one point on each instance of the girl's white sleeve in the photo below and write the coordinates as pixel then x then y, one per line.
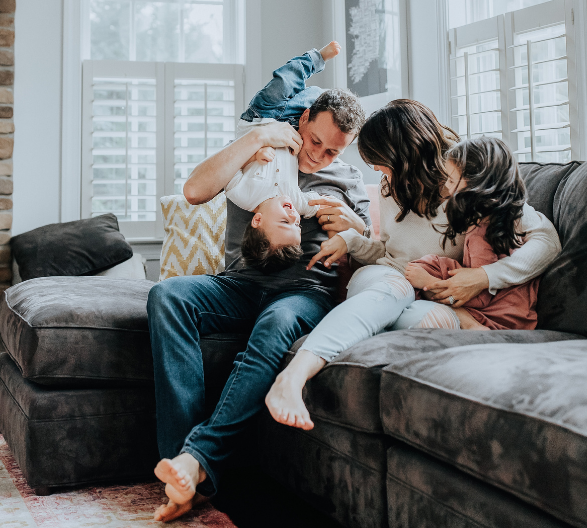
pixel 541 247
pixel 364 250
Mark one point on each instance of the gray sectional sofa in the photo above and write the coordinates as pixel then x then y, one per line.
pixel 416 428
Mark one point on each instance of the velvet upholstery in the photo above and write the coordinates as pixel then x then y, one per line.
pixel 81 247
pixel 346 391
pixel 423 492
pixel 562 298
pixel 71 437
pixel 515 417
pixel 82 331
pixel 339 470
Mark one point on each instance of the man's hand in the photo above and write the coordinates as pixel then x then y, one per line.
pixel 280 135
pixel 335 215
pixel 464 284
pixel 265 155
pixel 333 248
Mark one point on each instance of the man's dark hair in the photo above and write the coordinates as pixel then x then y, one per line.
pixel 258 253
pixel 345 108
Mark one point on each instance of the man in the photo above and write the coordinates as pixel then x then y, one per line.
pixel 276 309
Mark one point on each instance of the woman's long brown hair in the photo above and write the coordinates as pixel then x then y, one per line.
pixel 406 137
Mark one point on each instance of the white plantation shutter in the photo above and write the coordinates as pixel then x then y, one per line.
pixel 476 91
pixel 203 103
pixel 145 127
pixel 512 76
pixel 541 91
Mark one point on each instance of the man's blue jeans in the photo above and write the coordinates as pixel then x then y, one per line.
pixel 181 310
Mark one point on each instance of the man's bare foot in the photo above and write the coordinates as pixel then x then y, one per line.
pixel 171 510
pixel 330 50
pixel 468 322
pixel 285 402
pixel 418 277
pixel 181 476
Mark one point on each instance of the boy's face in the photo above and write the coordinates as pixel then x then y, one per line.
pixel 280 221
pixel 323 142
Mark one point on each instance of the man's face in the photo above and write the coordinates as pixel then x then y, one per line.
pixel 323 142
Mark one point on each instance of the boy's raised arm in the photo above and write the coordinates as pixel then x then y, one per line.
pixel 214 173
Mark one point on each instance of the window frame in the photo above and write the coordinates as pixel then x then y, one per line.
pixel 165 74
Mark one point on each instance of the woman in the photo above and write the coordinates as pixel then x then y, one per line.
pixel 404 141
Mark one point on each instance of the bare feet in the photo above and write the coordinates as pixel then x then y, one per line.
pixel 330 50
pixel 285 402
pixel 181 476
pixel 418 277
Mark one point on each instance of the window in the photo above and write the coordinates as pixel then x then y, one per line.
pixel 149 116
pixel 511 76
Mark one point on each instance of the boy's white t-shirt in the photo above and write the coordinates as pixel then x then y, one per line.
pixel 258 182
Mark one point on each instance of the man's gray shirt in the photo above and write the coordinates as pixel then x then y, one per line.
pixel 339 180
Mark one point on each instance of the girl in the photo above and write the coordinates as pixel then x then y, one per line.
pixel 487 197
pixel 405 141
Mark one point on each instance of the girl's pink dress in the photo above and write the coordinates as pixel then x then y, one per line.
pixel 512 308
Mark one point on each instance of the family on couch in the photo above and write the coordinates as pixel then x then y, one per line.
pixel 468 209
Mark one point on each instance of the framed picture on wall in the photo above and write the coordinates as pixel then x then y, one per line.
pixel 373 37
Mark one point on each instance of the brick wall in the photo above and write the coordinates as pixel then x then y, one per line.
pixel 7 8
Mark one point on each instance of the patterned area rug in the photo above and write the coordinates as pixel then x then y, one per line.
pixel 130 506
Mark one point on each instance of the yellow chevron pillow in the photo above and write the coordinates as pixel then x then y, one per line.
pixel 194 237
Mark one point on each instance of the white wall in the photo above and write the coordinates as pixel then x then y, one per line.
pixel 37 113
pixel 289 29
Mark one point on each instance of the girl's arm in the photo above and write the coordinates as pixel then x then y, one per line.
pixel 541 246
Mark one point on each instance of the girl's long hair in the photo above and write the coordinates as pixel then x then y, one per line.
pixel 406 137
pixel 495 192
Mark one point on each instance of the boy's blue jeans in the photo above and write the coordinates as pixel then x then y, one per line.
pixel 285 97
pixel 181 310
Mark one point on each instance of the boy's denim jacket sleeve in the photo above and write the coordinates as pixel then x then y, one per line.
pixel 286 97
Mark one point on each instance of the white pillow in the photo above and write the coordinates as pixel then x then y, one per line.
pixel 133 268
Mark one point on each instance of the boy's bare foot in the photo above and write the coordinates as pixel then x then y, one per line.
pixel 418 277
pixel 285 403
pixel 330 51
pixel 181 476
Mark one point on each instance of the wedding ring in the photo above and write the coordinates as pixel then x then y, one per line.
pixel 451 300
pixel 328 218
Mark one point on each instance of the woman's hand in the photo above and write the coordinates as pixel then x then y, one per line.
pixel 463 285
pixel 335 215
pixel 333 248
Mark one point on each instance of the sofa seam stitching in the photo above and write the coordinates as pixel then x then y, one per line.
pixel 488 479
pixel 421 492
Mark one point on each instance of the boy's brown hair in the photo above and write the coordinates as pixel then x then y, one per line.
pixel 258 253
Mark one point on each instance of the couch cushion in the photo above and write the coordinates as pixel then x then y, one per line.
pixel 62 330
pixel 90 331
pixel 346 391
pixel 81 247
pixel 562 298
pixel 514 416
pixel 542 181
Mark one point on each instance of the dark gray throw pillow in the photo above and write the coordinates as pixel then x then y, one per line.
pixel 81 247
